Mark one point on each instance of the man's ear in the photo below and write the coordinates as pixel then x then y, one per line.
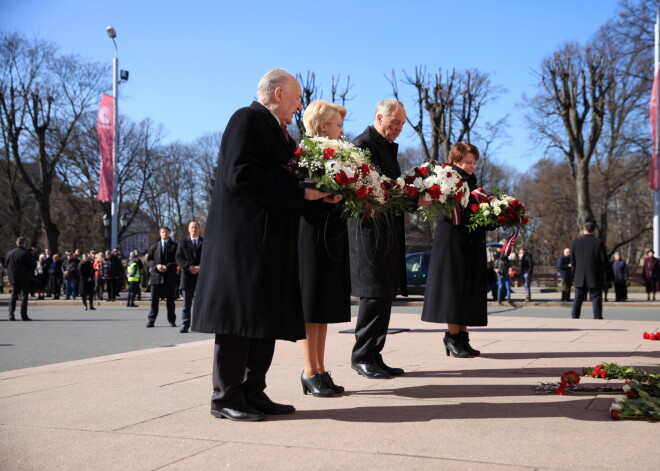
pixel 278 94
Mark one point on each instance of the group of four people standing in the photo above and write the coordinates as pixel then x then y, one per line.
pixel 278 256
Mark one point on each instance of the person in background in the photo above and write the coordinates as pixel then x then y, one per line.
pixel 651 275
pixel 133 274
pixel 526 270
pixel 98 276
pixel 55 276
pixel 86 289
pixel 589 264
pixel 620 277
pixel 108 269
pixel 502 266
pixel 71 276
pixel 565 274
pixel 163 276
pixel 41 276
pixel 188 257
pixel 20 265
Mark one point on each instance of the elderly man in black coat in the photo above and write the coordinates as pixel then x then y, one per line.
pixel 162 276
pixel 188 257
pixel 377 250
pixel 588 262
pixel 20 264
pixel 248 292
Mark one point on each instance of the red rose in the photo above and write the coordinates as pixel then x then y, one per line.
pixel 474 207
pixel 646 335
pixel 412 191
pixel 524 220
pixel 597 368
pixel 342 178
pixel 423 171
pixel 328 153
pixel 435 192
pixel 510 217
pixel 362 192
pixel 457 197
pixel 409 179
pixel 448 174
pixel 364 168
pixel 631 394
pixel 501 220
pixel 616 415
pixel 459 184
pixel 298 152
pixel 603 374
pixel 657 335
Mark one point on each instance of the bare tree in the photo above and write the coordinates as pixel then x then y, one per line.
pixel 448 106
pixel 43 98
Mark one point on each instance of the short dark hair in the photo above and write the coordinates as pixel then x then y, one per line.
pixel 164 227
pixel 22 241
pixel 590 227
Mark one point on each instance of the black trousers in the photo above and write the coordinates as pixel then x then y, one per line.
pixel 371 329
pixel 621 290
pixel 168 292
pixel 24 290
pixel 596 302
pixel 188 295
pixel 240 365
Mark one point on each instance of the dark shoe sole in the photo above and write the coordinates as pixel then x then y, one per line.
pixel 220 415
pixel 371 377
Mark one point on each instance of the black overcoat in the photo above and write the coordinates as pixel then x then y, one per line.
pixel 20 265
pixel 324 267
pixel 589 262
pixel 156 256
pixel 187 255
pixel 457 282
pixel 377 245
pixel 248 281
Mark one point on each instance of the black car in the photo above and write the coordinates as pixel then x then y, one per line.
pixel 417 267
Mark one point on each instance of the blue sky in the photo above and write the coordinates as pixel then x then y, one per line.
pixel 192 64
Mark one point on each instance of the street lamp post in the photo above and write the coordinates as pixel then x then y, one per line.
pixel 114 210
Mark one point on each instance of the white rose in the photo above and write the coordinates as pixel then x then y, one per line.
pixel 497 210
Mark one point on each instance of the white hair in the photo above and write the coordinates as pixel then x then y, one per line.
pixel 387 106
pixel 274 78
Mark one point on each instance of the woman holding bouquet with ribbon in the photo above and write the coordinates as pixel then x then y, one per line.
pixel 457 285
pixel 324 265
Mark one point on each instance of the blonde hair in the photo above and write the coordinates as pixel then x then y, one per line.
pixel 320 112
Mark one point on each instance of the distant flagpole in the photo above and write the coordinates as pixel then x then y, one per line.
pixel 656 138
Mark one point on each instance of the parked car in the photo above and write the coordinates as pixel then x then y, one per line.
pixel 417 267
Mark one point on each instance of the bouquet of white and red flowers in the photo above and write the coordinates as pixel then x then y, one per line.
pixel 337 166
pixel 440 185
pixel 497 210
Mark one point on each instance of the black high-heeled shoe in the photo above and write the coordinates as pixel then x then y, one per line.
pixel 315 385
pixel 466 344
pixel 454 345
pixel 327 379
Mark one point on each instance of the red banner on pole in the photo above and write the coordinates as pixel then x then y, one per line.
pixel 105 128
pixel 652 177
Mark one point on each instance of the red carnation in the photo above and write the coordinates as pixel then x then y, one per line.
pixel 412 191
pixel 501 220
pixel 474 207
pixel 435 192
pixel 448 174
pixel 328 153
pixel 616 415
pixel 648 336
pixel 657 335
pixel 362 192
pixel 298 152
pixel 423 171
pixel 603 374
pixel 364 168
pixel 409 179
pixel 631 394
pixel 458 196
pixel 524 220
pixel 597 368
pixel 342 178
pixel 510 217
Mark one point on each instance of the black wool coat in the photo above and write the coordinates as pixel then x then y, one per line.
pixel 20 265
pixel 155 256
pixel 589 262
pixel 187 255
pixel 324 265
pixel 377 245
pixel 457 282
pixel 248 281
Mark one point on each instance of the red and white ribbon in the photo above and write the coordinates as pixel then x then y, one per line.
pixel 480 195
pixel 508 244
pixel 455 216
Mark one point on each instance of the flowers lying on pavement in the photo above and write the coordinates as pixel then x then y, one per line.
pixel 650 336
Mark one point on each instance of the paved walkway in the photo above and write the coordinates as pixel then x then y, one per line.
pixel 149 409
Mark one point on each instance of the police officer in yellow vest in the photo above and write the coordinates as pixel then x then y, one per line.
pixel 133 273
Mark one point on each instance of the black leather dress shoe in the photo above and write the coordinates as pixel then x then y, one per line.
pixel 172 324
pixel 263 404
pixel 371 371
pixel 12 317
pixel 390 370
pixel 240 414
pixel 25 318
pixel 183 329
pixel 150 323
